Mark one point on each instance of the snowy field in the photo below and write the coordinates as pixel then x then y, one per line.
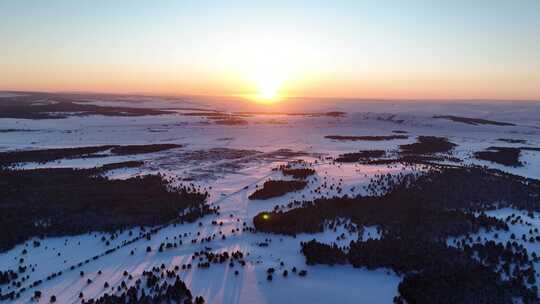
pixel 234 160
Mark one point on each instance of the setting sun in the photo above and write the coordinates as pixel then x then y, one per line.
pixel 264 68
pixel 268 88
pixel 266 80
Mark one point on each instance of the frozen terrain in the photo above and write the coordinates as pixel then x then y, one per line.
pixel 234 160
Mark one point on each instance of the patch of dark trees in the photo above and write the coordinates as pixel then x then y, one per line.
pixel 336 114
pixel 366 138
pixel 481 273
pixel 530 148
pixel 222 118
pixel 427 150
pixel 64 201
pixel 271 271
pixel 363 156
pixel 275 188
pixel 444 194
pixel 473 121
pixel 319 253
pixel 16 130
pixel 142 149
pixel 206 258
pixel 428 145
pixel 298 173
pixel 46 155
pixel 508 156
pixel 437 273
pixel 161 286
pixel 513 140
pixel 416 217
pixel 7 276
pixel 453 275
pixel 121 165
pixel 501 155
pixel 412 159
pixel 301 173
pixel 47 106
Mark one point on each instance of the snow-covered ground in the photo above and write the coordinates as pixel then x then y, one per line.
pixel 217 284
pixel 233 174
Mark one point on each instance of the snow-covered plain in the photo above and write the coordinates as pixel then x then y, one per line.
pixel 233 161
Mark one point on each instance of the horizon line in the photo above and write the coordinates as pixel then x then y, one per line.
pixel 242 96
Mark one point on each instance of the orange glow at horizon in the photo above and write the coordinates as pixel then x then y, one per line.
pixel 268 72
pixel 270 89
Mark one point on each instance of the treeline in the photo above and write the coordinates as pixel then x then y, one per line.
pixel 7 276
pixel 501 155
pixel 426 150
pixel 365 156
pixel 473 121
pixel 319 253
pixel 366 138
pixel 415 215
pixel 438 204
pixel 436 273
pixel 55 106
pixel 141 149
pixel 428 145
pixel 298 173
pixel 394 216
pixel 158 291
pixel 46 155
pixel 65 201
pixel 275 188
pixel 121 165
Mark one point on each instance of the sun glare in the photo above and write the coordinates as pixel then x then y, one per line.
pixel 268 79
pixel 268 88
pixel 265 66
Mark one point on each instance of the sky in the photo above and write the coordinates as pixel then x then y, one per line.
pixel 432 49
